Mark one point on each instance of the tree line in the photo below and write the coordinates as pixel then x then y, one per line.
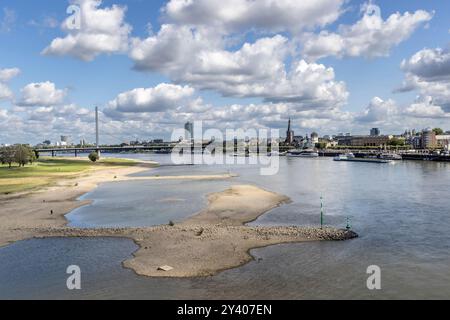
pixel 20 154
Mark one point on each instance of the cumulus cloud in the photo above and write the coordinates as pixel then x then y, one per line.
pixel 43 94
pixel 428 72
pixel 5 76
pixel 429 65
pixel 424 107
pixel 310 85
pixel 158 99
pixel 8 74
pixel 379 110
pixel 242 15
pixel 172 49
pixel 33 125
pixel 255 70
pixel 102 31
pixel 370 37
pixel 387 114
pixel 5 92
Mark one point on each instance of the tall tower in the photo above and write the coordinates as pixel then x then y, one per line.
pixel 96 131
pixel 289 134
pixel 189 128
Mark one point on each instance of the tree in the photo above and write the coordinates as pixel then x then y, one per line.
pixel 438 131
pixel 93 156
pixel 396 142
pixel 321 145
pixel 22 155
pixel 33 157
pixel 7 155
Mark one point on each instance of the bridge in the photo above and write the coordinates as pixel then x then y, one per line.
pixel 163 148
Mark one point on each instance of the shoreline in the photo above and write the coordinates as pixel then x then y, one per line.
pixel 213 240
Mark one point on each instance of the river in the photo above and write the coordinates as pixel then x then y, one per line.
pixel 401 212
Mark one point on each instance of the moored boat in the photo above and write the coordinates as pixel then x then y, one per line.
pixel 390 156
pixel 303 154
pixel 351 158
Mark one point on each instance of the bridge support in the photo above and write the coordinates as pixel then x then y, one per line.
pixel 76 153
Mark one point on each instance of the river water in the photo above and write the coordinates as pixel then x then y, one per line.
pixel 401 212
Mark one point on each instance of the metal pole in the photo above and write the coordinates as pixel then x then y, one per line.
pixel 321 212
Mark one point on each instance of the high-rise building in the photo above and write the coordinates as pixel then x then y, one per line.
pixel 429 140
pixel 189 128
pixel 375 132
pixel 289 134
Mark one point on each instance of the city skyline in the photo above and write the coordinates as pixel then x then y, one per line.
pixel 349 67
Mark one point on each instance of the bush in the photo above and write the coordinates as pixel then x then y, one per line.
pixel 93 156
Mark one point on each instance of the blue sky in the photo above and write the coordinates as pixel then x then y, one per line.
pixel 32 25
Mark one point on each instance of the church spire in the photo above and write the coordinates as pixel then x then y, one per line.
pixel 289 134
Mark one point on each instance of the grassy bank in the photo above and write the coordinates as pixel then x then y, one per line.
pixel 48 170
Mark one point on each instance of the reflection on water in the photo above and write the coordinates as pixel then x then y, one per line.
pixel 400 211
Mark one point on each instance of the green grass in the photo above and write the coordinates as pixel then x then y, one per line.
pixel 47 170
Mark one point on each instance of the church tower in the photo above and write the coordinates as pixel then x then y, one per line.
pixel 289 134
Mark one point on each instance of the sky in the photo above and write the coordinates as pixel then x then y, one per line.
pixel 331 66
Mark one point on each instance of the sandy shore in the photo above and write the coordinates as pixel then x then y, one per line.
pixel 213 240
pixel 47 207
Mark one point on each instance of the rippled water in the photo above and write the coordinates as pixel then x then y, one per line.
pixel 401 212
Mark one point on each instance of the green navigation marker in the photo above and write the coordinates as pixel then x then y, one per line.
pixel 321 212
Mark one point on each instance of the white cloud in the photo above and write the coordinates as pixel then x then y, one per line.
pixel 379 110
pixel 429 65
pixel 158 99
pixel 33 125
pixel 5 76
pixel 393 118
pixel 370 37
pixel 172 49
pixel 310 85
pixel 242 15
pixel 8 74
pixel 5 92
pixel 424 107
pixel 44 94
pixel 428 72
pixel 103 31
pixel 255 70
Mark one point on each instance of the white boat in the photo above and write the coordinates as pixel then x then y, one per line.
pixel 351 157
pixel 344 157
pixel 390 156
pixel 303 154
